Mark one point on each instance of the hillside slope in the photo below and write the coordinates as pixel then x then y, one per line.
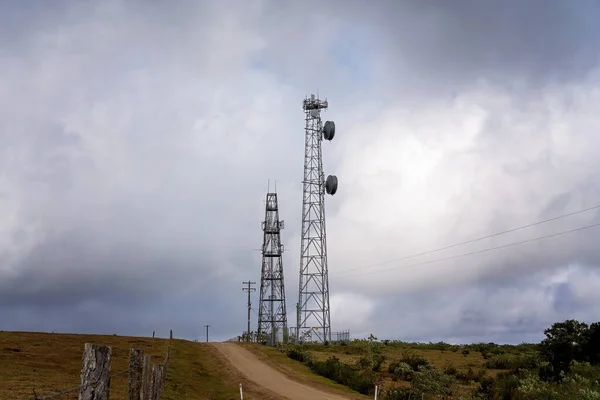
pixel 49 363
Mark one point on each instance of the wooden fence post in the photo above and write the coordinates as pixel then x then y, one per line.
pixel 95 373
pixel 157 379
pixel 166 363
pixel 135 374
pixel 146 379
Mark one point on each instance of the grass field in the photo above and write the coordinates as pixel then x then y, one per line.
pixel 50 363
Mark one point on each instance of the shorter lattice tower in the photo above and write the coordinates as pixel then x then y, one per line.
pixel 272 318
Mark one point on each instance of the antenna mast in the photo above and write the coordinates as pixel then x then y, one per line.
pixel 313 316
pixel 272 315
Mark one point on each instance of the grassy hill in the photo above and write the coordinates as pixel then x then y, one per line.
pixel 462 368
pixel 49 363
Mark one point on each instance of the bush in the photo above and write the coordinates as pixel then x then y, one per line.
pixel 378 361
pixel 414 360
pixel 392 366
pixel 470 376
pixel 430 380
pixel 299 354
pixel 485 390
pixel 450 369
pixel 503 361
pixel 372 362
pixel 400 394
pixel 362 381
pixel 508 361
pixel 402 371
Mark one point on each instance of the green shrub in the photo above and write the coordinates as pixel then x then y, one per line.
pixel 485 389
pixel 450 369
pixel 430 380
pixel 470 376
pixel 509 361
pixel 378 360
pixel 372 362
pixel 299 354
pixel 362 381
pixel 414 360
pixel 503 361
pixel 402 371
pixel 400 394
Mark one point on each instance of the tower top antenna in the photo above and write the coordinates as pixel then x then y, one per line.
pixel 314 103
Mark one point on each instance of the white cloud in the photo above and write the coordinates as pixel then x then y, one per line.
pixel 454 170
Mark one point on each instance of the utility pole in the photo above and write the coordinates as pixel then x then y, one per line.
pixel 249 289
pixel 207 326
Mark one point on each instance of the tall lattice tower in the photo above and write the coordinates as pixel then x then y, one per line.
pixel 272 315
pixel 314 323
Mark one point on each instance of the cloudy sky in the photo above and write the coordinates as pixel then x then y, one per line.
pixel 137 139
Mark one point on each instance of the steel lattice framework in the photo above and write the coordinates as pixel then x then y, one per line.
pixel 272 315
pixel 314 323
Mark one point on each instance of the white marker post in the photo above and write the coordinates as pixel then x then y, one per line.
pixel 376 387
pixel 241 393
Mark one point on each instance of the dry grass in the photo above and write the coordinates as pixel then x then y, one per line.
pixel 50 363
pixel 438 358
pixel 351 354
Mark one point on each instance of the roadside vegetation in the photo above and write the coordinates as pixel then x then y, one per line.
pixel 565 365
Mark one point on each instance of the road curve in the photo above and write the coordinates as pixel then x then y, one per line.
pixel 268 377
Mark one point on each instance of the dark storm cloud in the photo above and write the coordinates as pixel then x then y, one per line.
pixel 436 45
pixel 513 310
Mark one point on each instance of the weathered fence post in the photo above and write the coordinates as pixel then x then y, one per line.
pixel 95 373
pixel 146 379
pixel 157 379
pixel 136 369
pixel 166 363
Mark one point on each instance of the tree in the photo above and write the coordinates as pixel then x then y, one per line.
pixel 565 341
pixel 592 346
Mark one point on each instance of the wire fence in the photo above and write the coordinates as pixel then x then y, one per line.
pixel 74 389
pixel 146 381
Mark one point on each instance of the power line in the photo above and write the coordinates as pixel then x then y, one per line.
pixel 478 251
pixel 474 240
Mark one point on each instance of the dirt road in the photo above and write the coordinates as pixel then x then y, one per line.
pixel 263 375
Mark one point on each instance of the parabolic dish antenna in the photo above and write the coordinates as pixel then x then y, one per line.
pixel 329 130
pixel 331 184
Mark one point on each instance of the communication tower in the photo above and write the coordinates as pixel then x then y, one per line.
pixel 314 323
pixel 272 315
